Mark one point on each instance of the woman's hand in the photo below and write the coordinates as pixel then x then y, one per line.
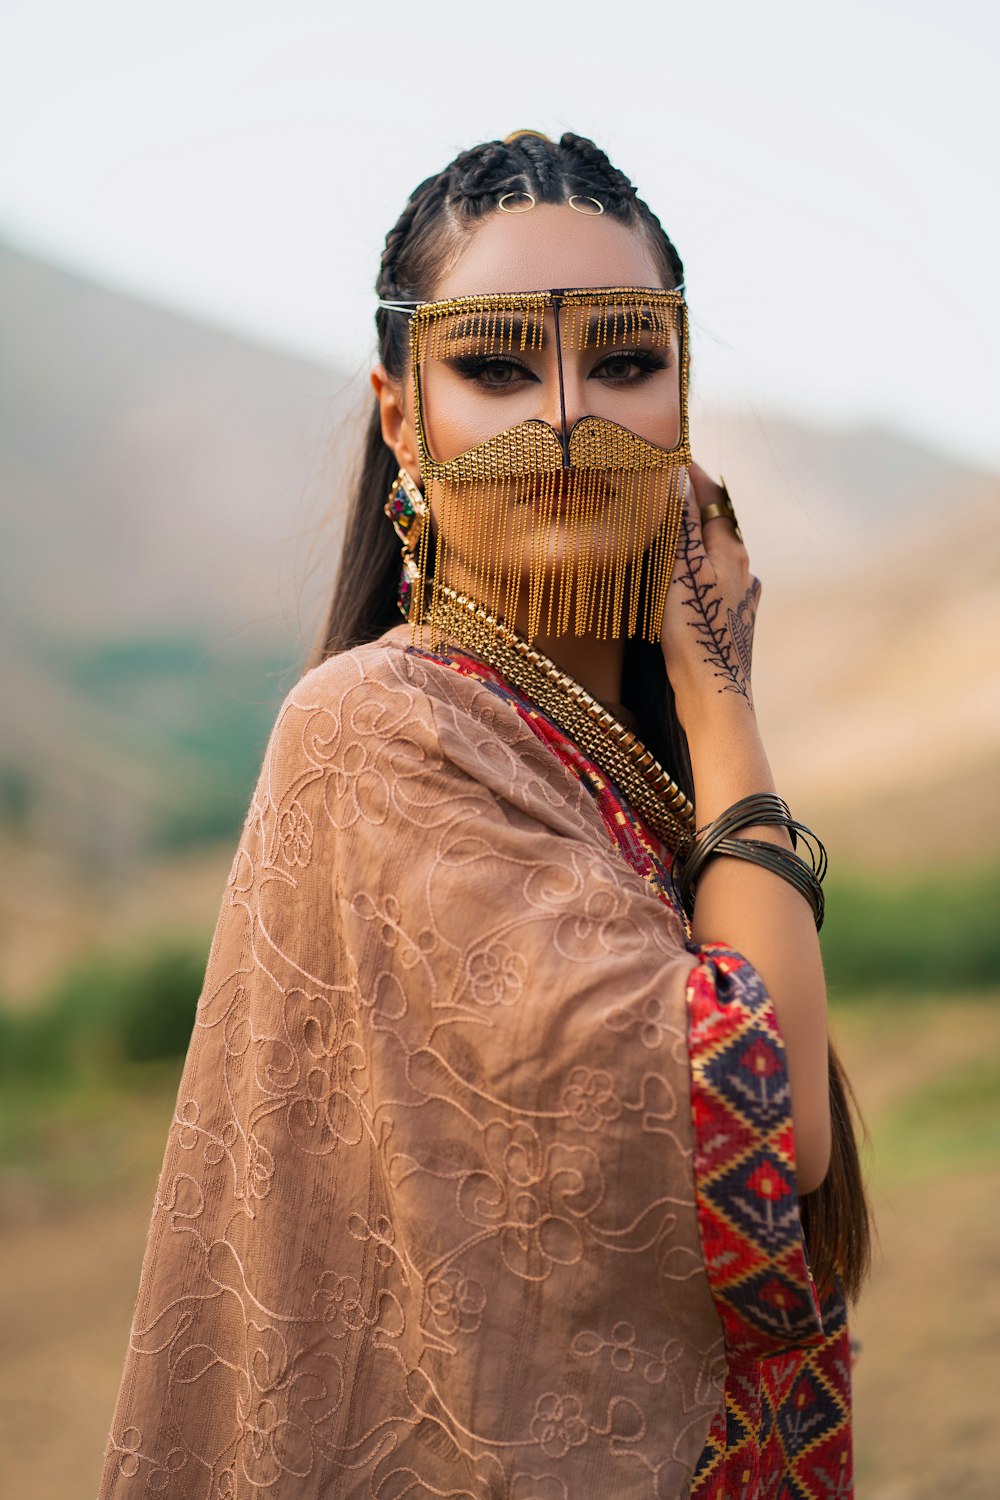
pixel 707 632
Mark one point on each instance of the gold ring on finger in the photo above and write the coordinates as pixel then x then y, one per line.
pixel 722 507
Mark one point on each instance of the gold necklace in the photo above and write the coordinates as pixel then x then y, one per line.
pixel 618 752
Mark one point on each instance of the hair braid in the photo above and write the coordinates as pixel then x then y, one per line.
pixel 422 210
pixel 591 168
pixel 403 268
pixel 594 166
pixel 543 165
pixel 478 173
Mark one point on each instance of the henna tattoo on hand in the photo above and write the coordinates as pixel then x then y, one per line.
pixel 726 641
pixel 741 622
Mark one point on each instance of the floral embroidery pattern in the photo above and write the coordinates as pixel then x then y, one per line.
pixel 558 1425
pixel 295 834
pixel 650 1021
pixel 590 1099
pixel 626 1353
pixel 497 975
pixel 456 1301
pixel 441 1186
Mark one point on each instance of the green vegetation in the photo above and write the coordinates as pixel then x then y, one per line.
pixel 108 1011
pixel 948 1122
pixel 112 1030
pixel 200 711
pixel 88 1074
pixel 15 797
pixel 905 936
pixel 62 1140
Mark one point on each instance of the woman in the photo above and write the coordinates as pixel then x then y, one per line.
pixel 505 1090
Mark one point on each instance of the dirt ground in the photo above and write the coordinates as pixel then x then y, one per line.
pixel 926 1381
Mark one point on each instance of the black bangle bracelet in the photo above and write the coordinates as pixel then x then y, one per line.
pixel 780 862
pixel 760 808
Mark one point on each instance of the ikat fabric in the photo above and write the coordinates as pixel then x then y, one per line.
pixel 432 1218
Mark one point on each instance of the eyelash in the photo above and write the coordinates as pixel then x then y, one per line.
pixel 474 366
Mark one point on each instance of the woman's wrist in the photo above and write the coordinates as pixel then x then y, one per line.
pixel 724 742
pixel 704 715
pixel 729 762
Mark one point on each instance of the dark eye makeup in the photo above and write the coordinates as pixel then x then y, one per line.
pixel 494 372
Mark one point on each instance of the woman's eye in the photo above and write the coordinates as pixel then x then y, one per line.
pixel 629 369
pixel 498 374
pixel 490 372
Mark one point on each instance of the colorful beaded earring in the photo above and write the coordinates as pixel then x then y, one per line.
pixel 407 510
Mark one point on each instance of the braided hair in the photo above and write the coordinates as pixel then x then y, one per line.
pixel 450 203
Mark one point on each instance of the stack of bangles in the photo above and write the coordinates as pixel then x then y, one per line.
pixel 761 808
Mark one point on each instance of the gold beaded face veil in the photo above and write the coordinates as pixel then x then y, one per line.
pixel 552 430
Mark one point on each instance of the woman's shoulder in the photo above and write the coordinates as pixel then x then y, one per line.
pixel 374 662
pixel 383 698
pixel 391 708
pixel 394 672
pixel 361 718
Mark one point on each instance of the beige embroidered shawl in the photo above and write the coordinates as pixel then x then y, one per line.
pixel 425 1178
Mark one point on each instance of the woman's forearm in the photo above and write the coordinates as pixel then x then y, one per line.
pixel 765 919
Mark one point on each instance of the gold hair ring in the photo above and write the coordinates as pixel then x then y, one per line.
pixel 509 140
pixel 577 200
pixel 505 207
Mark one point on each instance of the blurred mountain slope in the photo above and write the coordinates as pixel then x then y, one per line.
pixel 881 695
pixel 171 502
pixel 876 671
pixel 153 469
pixel 164 486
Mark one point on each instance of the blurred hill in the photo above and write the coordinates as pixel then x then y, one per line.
pixel 153 468
pixel 165 486
pixel 171 496
pixel 875 663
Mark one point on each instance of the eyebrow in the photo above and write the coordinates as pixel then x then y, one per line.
pixel 509 330
pixel 616 323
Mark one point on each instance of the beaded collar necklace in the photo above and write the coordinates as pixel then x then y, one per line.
pixel 612 747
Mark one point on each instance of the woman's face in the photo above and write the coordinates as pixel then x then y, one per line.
pixel 558 539
pixel 633 382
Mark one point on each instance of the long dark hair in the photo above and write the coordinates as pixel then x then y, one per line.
pixel 440 211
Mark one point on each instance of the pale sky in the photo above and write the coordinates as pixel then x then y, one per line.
pixel 828 172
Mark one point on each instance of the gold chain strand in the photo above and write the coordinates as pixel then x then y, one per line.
pixel 619 753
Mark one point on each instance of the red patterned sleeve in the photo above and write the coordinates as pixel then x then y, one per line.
pixel 747 1199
